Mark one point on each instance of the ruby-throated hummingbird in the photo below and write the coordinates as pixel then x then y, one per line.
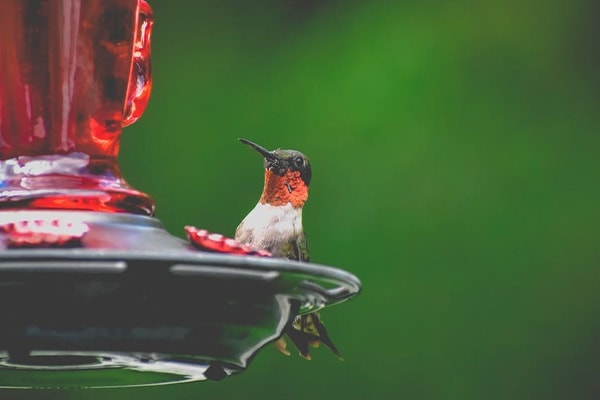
pixel 275 225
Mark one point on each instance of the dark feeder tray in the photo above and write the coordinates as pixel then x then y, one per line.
pixel 149 310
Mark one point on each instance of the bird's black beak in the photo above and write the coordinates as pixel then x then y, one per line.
pixel 268 155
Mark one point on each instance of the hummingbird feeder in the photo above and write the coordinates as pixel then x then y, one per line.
pixel 93 291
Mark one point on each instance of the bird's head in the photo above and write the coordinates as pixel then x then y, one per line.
pixel 287 176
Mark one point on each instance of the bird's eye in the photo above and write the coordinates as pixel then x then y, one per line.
pixel 299 161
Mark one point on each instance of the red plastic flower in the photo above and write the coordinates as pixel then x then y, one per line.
pixel 218 243
pixel 44 233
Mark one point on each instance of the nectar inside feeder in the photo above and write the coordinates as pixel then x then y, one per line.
pixel 93 291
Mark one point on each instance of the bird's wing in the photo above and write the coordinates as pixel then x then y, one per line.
pixel 300 247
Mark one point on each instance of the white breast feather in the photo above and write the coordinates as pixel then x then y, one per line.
pixel 280 222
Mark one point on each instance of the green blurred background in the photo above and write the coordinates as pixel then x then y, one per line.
pixel 455 152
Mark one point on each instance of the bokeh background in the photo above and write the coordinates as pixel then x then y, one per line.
pixel 455 152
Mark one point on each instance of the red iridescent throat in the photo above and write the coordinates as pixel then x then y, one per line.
pixel 282 189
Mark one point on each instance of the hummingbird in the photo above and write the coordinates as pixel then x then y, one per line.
pixel 275 225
